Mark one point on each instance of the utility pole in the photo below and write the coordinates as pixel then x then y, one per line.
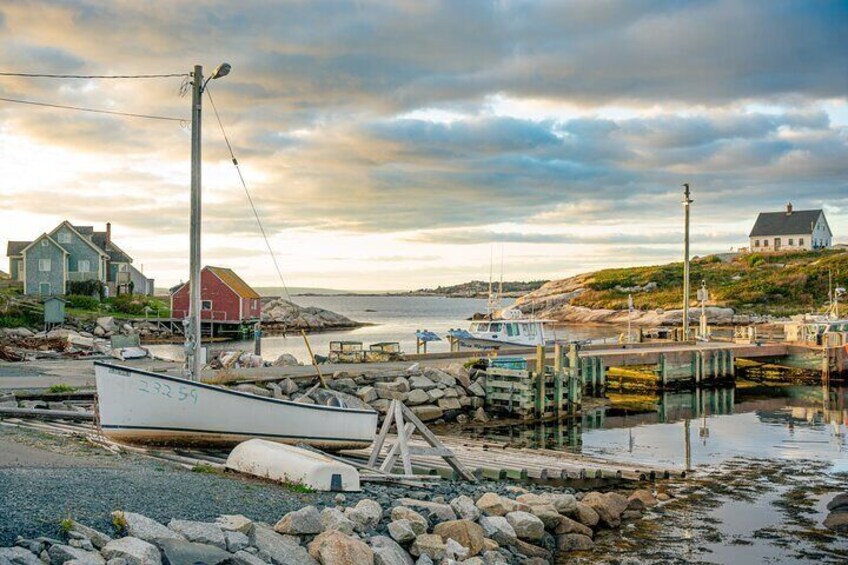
pixel 193 331
pixel 686 202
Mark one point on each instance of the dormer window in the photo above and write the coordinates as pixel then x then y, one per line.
pixel 64 237
pixel 44 243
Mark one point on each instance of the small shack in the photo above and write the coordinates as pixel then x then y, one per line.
pixel 54 311
pixel 225 297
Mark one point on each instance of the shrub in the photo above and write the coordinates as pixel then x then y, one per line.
pixel 755 259
pixel 82 302
pixel 86 288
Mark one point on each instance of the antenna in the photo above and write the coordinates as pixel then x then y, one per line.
pixel 490 304
pixel 500 286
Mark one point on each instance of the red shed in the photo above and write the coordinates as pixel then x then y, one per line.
pixel 224 295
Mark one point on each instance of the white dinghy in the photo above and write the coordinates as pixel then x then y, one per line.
pixel 142 407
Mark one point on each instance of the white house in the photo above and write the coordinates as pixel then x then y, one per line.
pixel 791 230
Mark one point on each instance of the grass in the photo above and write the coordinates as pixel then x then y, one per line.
pixel 119 522
pixel 296 486
pixel 776 283
pixel 66 525
pixel 207 469
pixel 60 388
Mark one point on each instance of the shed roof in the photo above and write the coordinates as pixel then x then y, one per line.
pixel 16 247
pixel 783 223
pixel 235 282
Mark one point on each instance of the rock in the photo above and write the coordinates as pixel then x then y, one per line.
pixel 288 387
pixel 346 385
pixel 133 550
pixel 391 394
pixel 401 531
pixel 416 397
pixel 574 542
pixel 839 503
pixel 586 515
pixel 106 323
pixel 568 526
pixel 451 393
pixel 526 525
pixel 117 561
pixel 367 394
pixel 461 419
pixel 245 558
pixel 449 404
pixel 465 508
pixel 492 504
pixel 98 539
pixel 542 508
pixel 837 521
pixel 307 520
pixel 564 503
pixel 608 509
pixel 494 558
pixel 388 552
pixel 281 550
pixel 234 523
pixel 334 519
pixel 336 548
pixel 19 556
pixel 490 545
pixel 236 541
pixel 421 382
pixel 366 515
pixel 381 405
pixel 617 502
pixel 533 551
pixel 477 390
pixel 418 522
pixel 59 554
pixel 179 552
pixel 480 416
pixel 442 512
pixel 142 527
pixel 644 496
pixel 465 532
pixel 431 545
pixel 285 360
pixel 663 497
pixel 200 532
pixel 435 394
pixel 455 551
pixel 427 412
pixel 253 389
pixel 497 528
pixel 398 385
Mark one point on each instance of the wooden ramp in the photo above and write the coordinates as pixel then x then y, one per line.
pixel 496 461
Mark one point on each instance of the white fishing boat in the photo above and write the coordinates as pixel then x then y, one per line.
pixel 511 328
pixel 143 407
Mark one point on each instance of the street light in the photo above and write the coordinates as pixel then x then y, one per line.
pixel 193 331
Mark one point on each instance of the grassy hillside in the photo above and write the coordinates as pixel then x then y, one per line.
pixel 780 284
pixel 481 288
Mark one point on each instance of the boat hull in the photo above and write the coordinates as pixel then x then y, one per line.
pixel 137 406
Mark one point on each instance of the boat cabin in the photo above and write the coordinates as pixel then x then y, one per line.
pixel 524 332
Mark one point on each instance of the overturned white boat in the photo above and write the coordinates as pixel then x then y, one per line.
pixel 138 406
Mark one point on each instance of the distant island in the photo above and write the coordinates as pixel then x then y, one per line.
pixel 742 287
pixel 478 289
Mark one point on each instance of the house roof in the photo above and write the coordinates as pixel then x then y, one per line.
pixel 4 275
pixel 783 223
pixel 53 241
pixel 14 248
pixel 115 253
pixel 83 237
pixel 235 282
pixel 85 230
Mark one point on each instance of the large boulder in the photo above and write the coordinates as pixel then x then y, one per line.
pixel 106 323
pixel 609 509
pixel 334 519
pixel 418 522
pixel 286 360
pixel 526 525
pixel 279 549
pixel 234 523
pixel 465 508
pixel 60 554
pixel 236 541
pixel 568 526
pixel 431 545
pixel 837 521
pixel 498 529
pixel 586 515
pixel 417 397
pixel 365 515
pixel 134 551
pixel 493 504
pixel 565 504
pixel 307 520
pixel 574 542
pixel 142 527
pixel 388 552
pixel 98 539
pixel 18 556
pixel 401 531
pixel 336 548
pixel 644 496
pixel 442 512
pixel 200 532
pixel 542 508
pixel 421 382
pixel 465 532
pixel 179 552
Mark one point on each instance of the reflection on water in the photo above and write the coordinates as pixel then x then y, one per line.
pixel 687 429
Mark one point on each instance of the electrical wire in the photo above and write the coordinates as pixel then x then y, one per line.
pixel 249 197
pixel 94 110
pixel 43 75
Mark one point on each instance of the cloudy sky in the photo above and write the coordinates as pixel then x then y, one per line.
pixel 398 144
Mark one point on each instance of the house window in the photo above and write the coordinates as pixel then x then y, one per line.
pixel 64 237
pixel 122 267
pixel 44 289
pixel 44 265
pixel 800 241
pixel 84 266
pixel 791 241
pixel 756 243
pixel 206 305
pixel 44 243
pixel 765 243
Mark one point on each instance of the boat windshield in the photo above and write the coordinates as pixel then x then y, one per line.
pixel 512 329
pixel 494 328
pixel 479 327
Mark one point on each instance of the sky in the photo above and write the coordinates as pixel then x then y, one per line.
pixel 399 144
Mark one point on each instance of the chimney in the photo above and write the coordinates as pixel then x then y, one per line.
pixel 788 209
pixel 108 233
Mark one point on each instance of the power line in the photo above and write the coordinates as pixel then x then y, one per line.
pixel 93 110
pixel 43 75
pixel 249 198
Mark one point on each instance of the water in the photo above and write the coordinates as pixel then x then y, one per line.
pixel 393 318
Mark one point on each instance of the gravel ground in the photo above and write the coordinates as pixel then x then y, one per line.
pixel 49 479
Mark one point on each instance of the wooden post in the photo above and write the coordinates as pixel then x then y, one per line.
pixel 662 370
pixel 558 392
pixel 540 358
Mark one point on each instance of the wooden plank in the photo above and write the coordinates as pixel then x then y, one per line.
pixel 391 457
pixel 381 438
pixel 404 451
pixel 434 441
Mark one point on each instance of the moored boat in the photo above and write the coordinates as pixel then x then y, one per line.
pixel 138 406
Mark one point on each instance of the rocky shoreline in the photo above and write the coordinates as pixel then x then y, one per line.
pixel 522 527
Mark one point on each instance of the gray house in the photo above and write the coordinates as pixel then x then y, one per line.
pixel 791 230
pixel 71 253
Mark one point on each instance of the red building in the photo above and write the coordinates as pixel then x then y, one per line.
pixel 225 297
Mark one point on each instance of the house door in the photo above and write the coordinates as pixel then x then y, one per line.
pixel 44 289
pixel 776 243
